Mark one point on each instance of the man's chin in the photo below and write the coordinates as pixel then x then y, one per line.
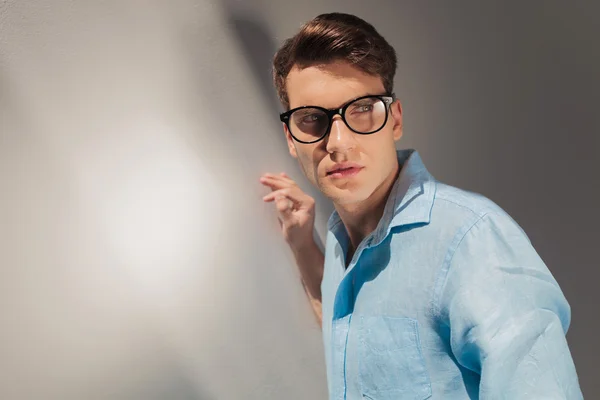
pixel 344 199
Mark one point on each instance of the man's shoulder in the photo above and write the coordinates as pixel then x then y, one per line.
pixel 459 209
pixel 456 201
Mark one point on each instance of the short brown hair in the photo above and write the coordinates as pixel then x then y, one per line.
pixel 334 37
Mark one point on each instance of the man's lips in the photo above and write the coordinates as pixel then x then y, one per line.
pixel 345 166
pixel 339 170
pixel 344 172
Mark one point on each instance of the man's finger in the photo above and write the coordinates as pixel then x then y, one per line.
pixel 275 193
pixel 274 184
pixel 293 194
pixel 277 181
pixel 284 205
pixel 286 177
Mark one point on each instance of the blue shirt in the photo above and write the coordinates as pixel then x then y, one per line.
pixel 445 299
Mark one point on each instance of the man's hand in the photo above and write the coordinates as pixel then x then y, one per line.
pixel 296 209
pixel 296 217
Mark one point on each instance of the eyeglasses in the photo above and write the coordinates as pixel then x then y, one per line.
pixel 364 115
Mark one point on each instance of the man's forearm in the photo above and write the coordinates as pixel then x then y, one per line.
pixel 310 261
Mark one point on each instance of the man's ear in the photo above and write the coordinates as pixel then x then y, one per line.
pixel 396 114
pixel 290 141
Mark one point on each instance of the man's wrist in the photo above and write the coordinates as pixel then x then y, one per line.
pixel 308 245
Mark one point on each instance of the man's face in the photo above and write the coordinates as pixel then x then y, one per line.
pixel 331 86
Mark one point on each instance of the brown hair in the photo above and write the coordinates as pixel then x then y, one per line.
pixel 334 37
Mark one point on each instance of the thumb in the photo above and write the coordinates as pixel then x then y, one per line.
pixel 284 205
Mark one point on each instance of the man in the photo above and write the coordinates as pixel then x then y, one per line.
pixel 424 290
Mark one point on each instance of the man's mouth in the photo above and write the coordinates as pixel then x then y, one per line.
pixel 344 172
pixel 340 170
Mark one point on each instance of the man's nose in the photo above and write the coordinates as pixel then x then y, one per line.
pixel 340 136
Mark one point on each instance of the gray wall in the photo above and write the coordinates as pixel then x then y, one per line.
pixel 137 260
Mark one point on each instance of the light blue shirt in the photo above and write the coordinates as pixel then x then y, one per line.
pixel 446 299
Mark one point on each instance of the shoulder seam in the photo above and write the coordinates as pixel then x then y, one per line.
pixel 479 214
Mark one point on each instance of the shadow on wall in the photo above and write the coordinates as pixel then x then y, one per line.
pixel 258 47
pixel 11 111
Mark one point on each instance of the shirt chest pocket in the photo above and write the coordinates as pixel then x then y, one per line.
pixel 391 364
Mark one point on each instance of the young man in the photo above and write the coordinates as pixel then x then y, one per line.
pixel 425 290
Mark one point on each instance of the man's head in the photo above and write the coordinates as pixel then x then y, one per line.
pixel 333 60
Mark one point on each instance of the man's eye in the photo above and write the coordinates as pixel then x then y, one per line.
pixel 310 118
pixel 363 108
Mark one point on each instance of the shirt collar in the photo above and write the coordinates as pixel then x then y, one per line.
pixel 410 200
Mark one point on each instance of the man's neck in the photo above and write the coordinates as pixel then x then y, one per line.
pixel 361 219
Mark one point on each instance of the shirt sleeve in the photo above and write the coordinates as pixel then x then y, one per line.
pixel 507 315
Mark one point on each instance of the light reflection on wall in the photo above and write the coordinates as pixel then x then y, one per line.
pixel 163 209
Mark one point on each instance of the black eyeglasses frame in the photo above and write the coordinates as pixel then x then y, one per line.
pixel 387 99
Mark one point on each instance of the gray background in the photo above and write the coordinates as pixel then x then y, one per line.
pixel 137 260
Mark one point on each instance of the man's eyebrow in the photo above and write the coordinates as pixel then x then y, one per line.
pixel 353 99
pixel 344 103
